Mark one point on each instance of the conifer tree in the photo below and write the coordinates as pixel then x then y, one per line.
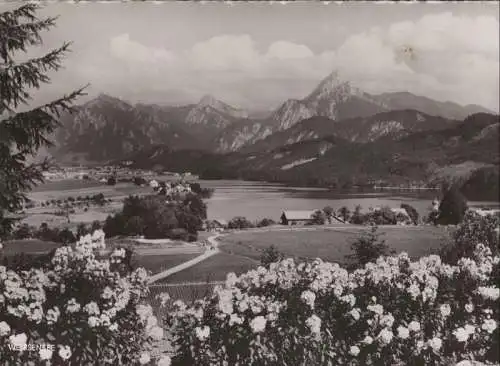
pixel 24 128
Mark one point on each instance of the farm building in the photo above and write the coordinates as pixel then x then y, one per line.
pixel 215 225
pixel 296 217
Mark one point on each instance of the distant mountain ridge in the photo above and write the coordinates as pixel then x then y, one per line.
pixel 108 128
pixel 333 161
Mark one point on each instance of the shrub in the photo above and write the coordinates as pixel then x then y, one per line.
pixel 367 248
pixel 452 207
pixel 473 230
pixel 318 218
pixel 111 181
pixel 271 255
pixel 357 217
pixel 265 222
pixel 344 213
pixel 412 212
pixel 328 211
pixel 382 216
pixel 392 312
pixel 91 309
pixel 24 231
pixel 239 222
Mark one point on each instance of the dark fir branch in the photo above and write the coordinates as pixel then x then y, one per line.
pixel 23 133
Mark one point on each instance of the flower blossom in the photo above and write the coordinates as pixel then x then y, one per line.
pixel 354 350
pixel 145 358
pixel 309 298
pixel 314 324
pixel 489 325
pixel 64 352
pixel 258 324
pixel 202 333
pixel 435 343
pixel 4 329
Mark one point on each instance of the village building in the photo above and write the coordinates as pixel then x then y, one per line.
pixel 297 217
pixel 215 225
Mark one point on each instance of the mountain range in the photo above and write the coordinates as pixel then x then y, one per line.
pixel 336 130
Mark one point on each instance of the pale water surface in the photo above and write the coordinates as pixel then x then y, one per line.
pixel 256 200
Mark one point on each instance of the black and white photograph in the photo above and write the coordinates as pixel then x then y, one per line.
pixel 296 183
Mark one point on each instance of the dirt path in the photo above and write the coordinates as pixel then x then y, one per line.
pixel 209 252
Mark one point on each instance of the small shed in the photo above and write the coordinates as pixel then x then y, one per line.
pixel 296 217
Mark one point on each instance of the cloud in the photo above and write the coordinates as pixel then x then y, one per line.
pixel 284 50
pixel 227 52
pixel 441 56
pixel 123 48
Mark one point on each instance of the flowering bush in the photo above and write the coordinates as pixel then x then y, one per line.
pixel 475 228
pixel 391 312
pixel 79 309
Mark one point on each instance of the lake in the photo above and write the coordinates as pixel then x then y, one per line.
pixel 256 200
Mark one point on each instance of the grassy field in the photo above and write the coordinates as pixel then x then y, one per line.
pixel 332 244
pixel 213 269
pixel 74 188
pixel 28 246
pixel 158 263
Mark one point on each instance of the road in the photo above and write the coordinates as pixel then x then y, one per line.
pixel 209 252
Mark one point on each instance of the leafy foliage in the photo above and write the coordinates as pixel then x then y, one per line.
pixel 271 255
pixel 318 218
pixel 452 207
pixel 473 230
pixel 23 133
pixel 367 248
pixel 412 212
pixel 239 222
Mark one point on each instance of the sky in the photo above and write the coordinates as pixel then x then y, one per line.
pixel 256 55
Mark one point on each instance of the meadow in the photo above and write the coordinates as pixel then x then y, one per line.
pixel 332 244
pixel 159 263
pixel 61 190
pixel 214 268
pixel 241 251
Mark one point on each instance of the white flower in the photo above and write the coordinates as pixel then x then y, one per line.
pixel 445 310
pixel 403 332
pixel 368 340
pixel 91 308
pixel 164 361
pixel 489 325
pixel 145 358
pixel 45 353
pixel 387 320
pixel 491 293
pixel 314 324
pixel 4 329
pixel 354 350
pixel 18 340
pixel 156 333
pixel 355 314
pixel 163 297
pixel 93 321
pixel 258 324
pixel 308 297
pixel 235 319
pixel 414 326
pixel 469 308
pixel 64 352
pixel 73 306
pixel 377 309
pixel 202 333
pixel 461 334
pixel 385 336
pixel 435 343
